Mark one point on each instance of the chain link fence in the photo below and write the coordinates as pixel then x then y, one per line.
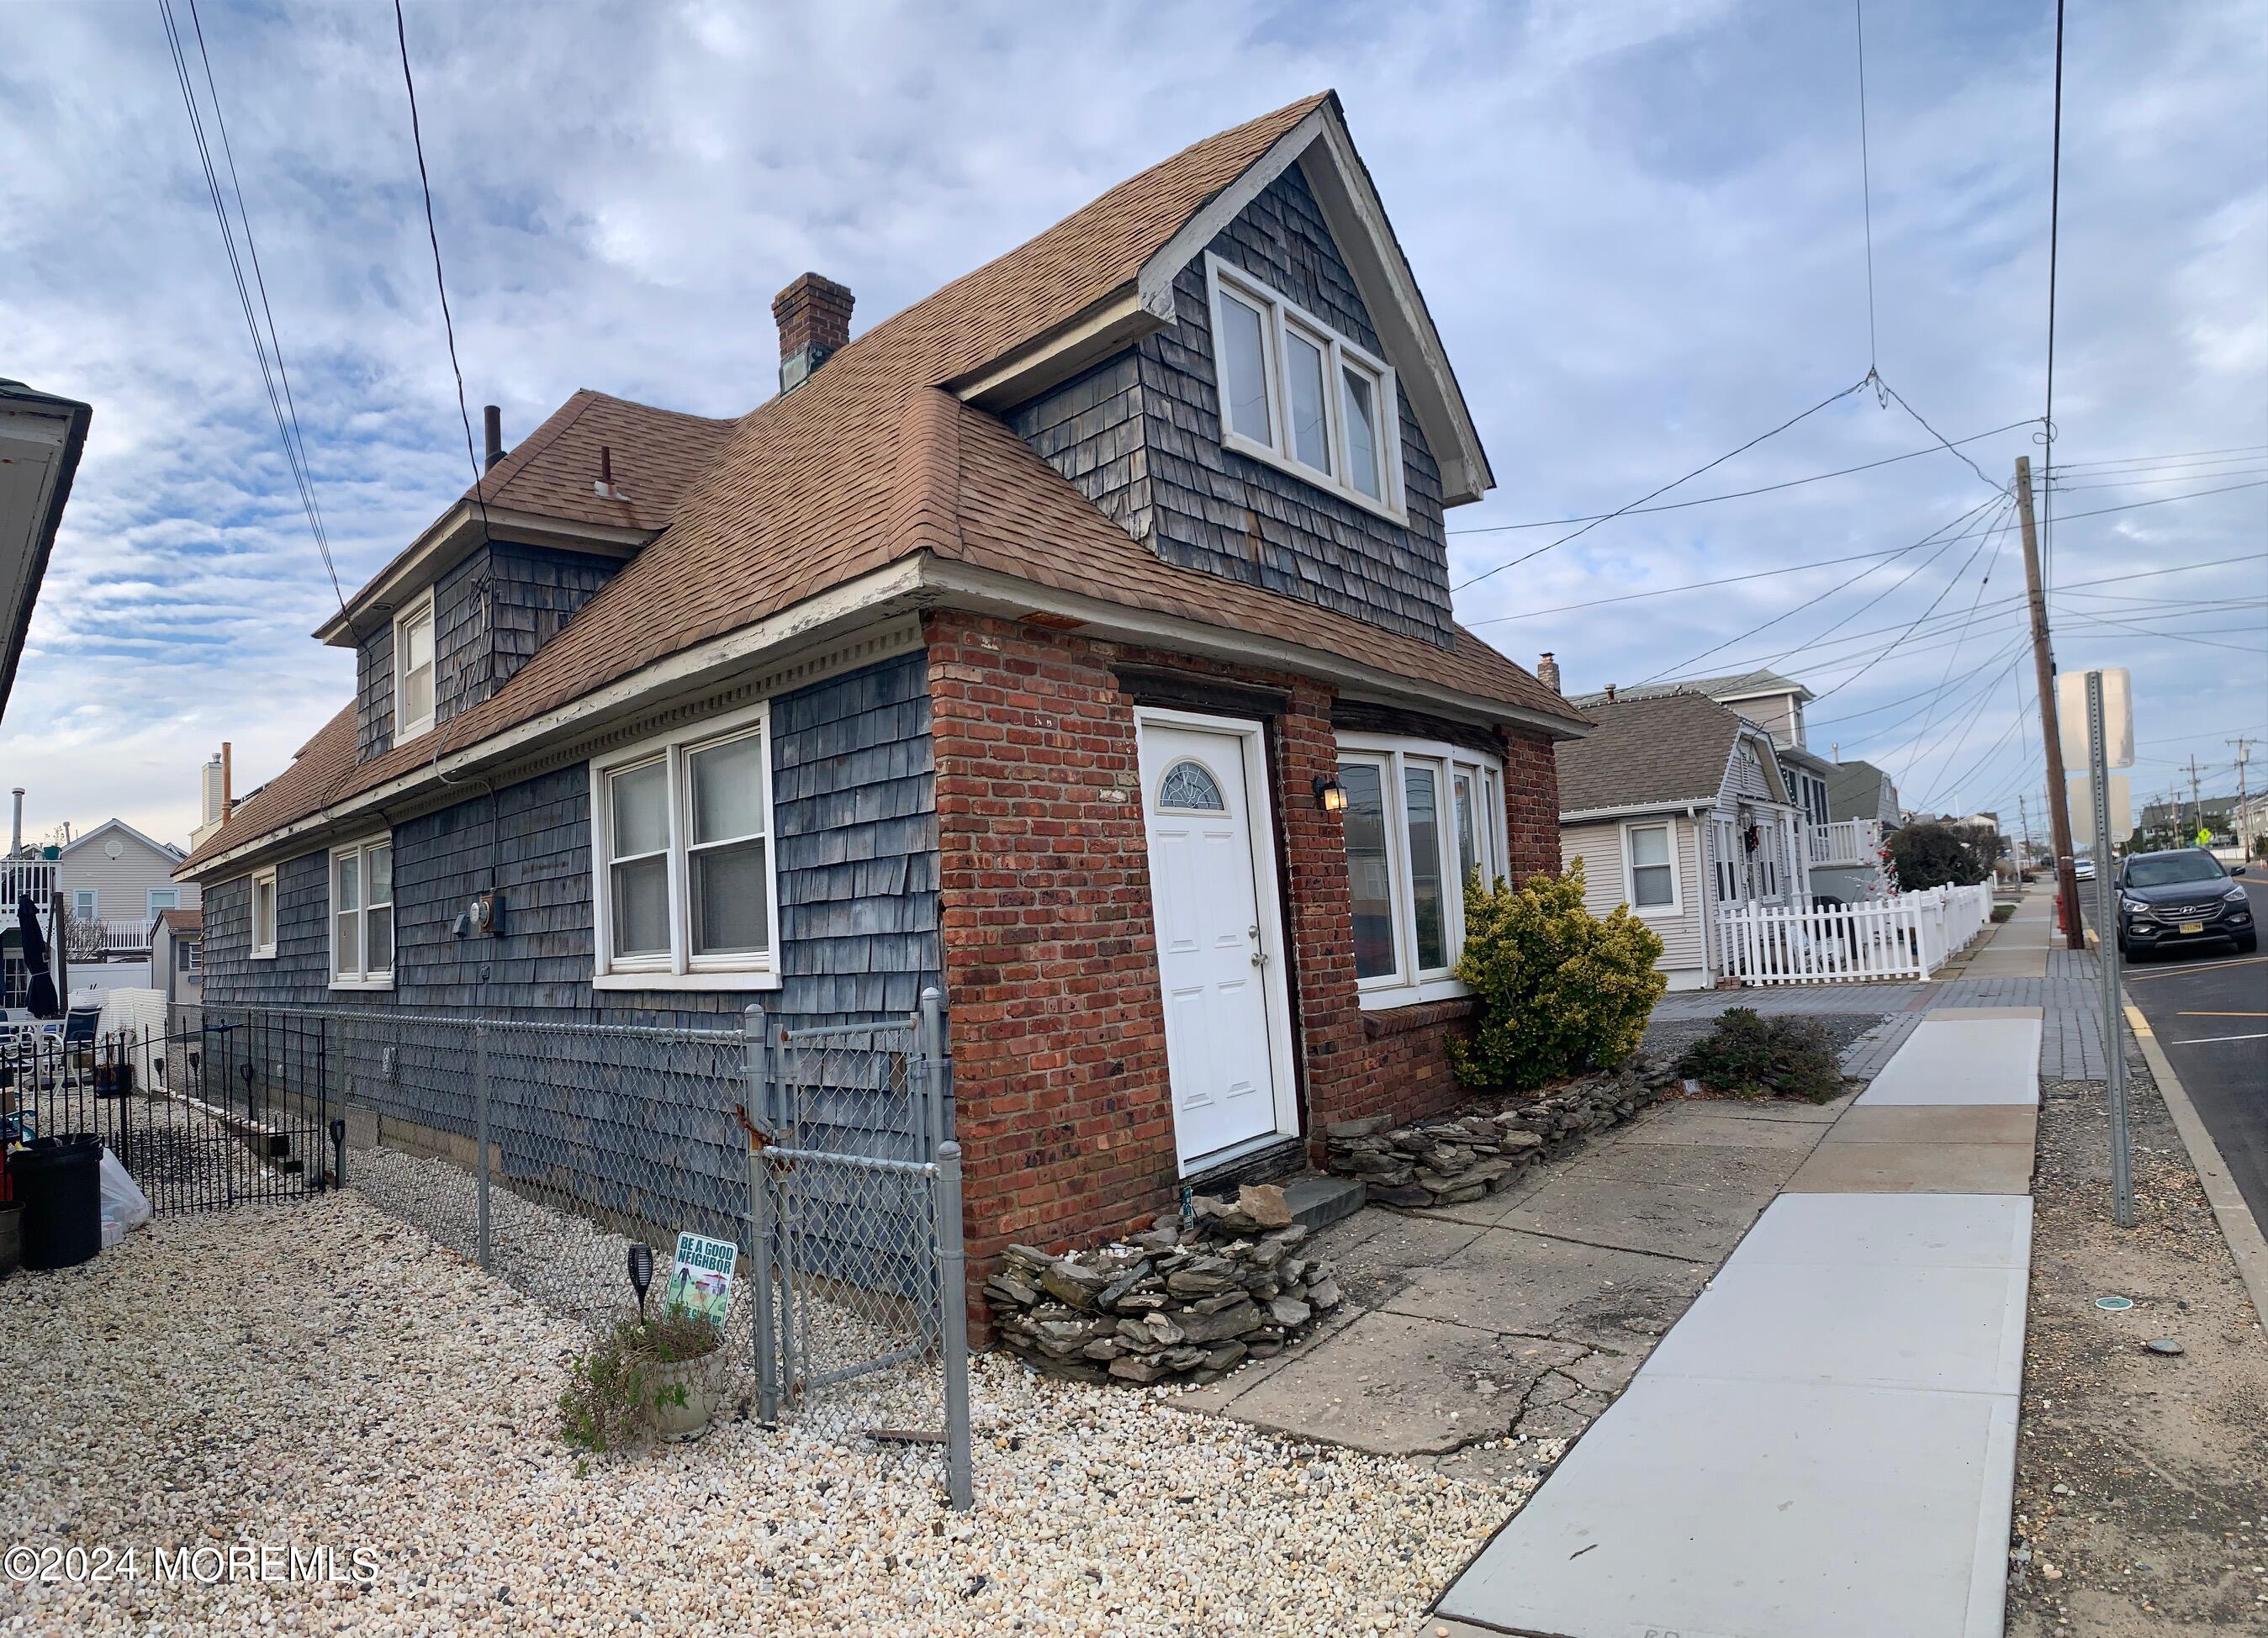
pixel 544 1151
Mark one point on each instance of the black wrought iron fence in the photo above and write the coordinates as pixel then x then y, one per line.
pixel 194 1113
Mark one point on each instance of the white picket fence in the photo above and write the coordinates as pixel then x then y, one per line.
pixel 1907 936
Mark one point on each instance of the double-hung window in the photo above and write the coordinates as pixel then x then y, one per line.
pixel 263 915
pixel 1296 393
pixel 413 669
pixel 362 916
pixel 83 904
pixel 684 872
pixel 1420 818
pixel 1650 851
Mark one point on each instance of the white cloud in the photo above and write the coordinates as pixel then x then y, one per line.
pixel 1637 228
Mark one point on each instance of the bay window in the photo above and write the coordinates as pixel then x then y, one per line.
pixel 1296 393
pixel 1420 818
pixel 362 916
pixel 683 866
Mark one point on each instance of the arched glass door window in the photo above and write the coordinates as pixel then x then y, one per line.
pixel 1189 786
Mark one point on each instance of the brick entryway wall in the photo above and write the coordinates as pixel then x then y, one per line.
pixel 1051 974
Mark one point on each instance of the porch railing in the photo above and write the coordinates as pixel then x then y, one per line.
pixel 1909 936
pixel 1845 842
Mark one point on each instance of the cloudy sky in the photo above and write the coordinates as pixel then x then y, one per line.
pixel 1639 228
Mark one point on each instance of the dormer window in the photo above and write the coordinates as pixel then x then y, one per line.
pixel 1299 395
pixel 413 670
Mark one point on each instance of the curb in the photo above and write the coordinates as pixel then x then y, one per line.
pixel 2246 1244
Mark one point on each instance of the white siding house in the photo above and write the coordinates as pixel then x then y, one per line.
pixel 1678 805
pixel 116 878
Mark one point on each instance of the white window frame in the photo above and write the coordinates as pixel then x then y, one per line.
pixel 1407 984
pixel 405 727
pixel 1280 314
pixel 87 897
pixel 151 905
pixel 361 976
pixel 1675 908
pixel 193 956
pixel 265 950
pixel 678 968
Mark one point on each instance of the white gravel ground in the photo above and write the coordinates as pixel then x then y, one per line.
pixel 321 1375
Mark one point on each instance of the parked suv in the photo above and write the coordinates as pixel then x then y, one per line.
pixel 2180 897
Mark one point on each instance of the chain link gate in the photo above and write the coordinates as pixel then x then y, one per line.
pixel 856 1215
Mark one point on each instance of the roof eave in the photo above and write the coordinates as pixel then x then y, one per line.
pixel 452 537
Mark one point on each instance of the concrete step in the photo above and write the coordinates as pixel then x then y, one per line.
pixel 1316 1200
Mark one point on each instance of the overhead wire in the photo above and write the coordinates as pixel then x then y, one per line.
pixel 1656 494
pixel 287 423
pixel 1742 495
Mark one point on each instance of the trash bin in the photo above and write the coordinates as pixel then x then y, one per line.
pixel 58 1183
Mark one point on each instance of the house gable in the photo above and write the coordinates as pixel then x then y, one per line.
pixel 1141 436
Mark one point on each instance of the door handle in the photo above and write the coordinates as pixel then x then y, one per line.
pixel 1259 957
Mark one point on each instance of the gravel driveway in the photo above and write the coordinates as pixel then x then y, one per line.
pixel 322 1375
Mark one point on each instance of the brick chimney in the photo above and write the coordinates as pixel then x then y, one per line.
pixel 1547 672
pixel 815 323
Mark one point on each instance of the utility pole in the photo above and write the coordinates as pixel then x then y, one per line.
pixel 2196 804
pixel 2051 737
pixel 2244 755
pixel 2024 818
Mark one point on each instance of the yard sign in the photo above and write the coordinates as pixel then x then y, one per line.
pixel 701 1282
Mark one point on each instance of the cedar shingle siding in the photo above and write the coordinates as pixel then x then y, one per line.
pixel 855 824
pixel 491 614
pixel 1139 436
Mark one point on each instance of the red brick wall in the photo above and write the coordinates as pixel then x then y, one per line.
pixel 1051 974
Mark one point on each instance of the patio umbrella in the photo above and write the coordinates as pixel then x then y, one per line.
pixel 39 989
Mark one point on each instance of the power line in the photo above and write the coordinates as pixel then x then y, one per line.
pixel 1924 614
pixel 2137 482
pixel 2047 419
pixel 286 427
pixel 1998 489
pixel 1643 499
pixel 1865 185
pixel 433 238
pixel 1685 664
pixel 1742 495
pixel 2198 455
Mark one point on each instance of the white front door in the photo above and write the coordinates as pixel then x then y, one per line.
pixel 1213 898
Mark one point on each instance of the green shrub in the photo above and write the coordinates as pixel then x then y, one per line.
pixel 609 1400
pixel 1560 990
pixel 1933 855
pixel 1751 1056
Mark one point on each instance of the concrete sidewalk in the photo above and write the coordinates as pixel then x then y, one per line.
pixel 1826 1441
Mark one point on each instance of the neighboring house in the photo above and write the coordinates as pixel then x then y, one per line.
pixel 116 879
pixel 1845 860
pixel 1679 807
pixel 1859 790
pixel 177 955
pixel 1078 640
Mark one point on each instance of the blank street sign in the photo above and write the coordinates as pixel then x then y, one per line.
pixel 2118 720
pixel 2082 812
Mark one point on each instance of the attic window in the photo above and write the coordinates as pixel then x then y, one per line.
pixel 413 670
pixel 1299 395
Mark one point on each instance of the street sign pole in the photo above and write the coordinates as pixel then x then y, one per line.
pixel 2106 922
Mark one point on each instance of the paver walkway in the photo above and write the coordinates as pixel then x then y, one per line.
pixel 1826 1441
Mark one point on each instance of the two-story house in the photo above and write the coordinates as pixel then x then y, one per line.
pixel 114 881
pixel 1078 640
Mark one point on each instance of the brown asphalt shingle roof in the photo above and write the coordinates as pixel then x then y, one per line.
pixel 1666 749
pixel 867 463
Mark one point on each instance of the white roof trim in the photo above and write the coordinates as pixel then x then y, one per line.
pixel 1357 219
pixel 151 842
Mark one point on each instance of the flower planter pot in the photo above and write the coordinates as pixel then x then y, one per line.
pixel 684 1395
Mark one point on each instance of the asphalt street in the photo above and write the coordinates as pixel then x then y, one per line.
pixel 2209 1009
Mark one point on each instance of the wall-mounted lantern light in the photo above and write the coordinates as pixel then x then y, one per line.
pixel 1331 796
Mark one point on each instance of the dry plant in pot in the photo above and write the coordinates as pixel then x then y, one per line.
pixel 643 1377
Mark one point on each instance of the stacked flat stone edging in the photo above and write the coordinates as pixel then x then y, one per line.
pixel 1452 1159
pixel 1178 1301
